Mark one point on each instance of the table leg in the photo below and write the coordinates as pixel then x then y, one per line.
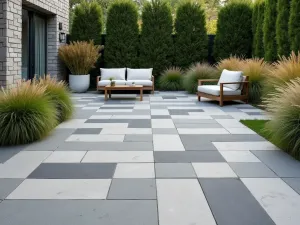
pixel 105 94
pixel 141 94
pixel 109 92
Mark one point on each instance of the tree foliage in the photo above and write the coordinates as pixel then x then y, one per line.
pixel 156 43
pixel 270 44
pixel 88 22
pixel 234 30
pixel 122 33
pixel 282 31
pixel 294 25
pixel 191 41
pixel 258 20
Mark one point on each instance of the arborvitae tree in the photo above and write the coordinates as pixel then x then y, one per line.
pixel 156 43
pixel 122 35
pixel 258 46
pixel 88 22
pixel 191 42
pixel 282 27
pixel 234 30
pixel 294 25
pixel 270 44
pixel 254 23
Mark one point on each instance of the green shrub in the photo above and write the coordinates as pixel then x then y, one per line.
pixel 171 79
pixel 122 33
pixel 269 29
pixel 294 25
pixel 234 30
pixel 26 114
pixel 258 16
pixel 156 43
pixel 282 25
pixel 196 72
pixel 88 22
pixel 191 42
pixel 284 106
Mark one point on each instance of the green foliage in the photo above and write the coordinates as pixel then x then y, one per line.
pixel 294 25
pixel 234 30
pixel 211 26
pixel 258 21
pixel 26 114
pixel 156 43
pixel 196 72
pixel 269 29
pixel 191 41
pixel 87 22
pixel 122 33
pixel 171 79
pixel 282 27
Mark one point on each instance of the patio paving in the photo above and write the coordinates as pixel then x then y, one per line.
pixel 168 160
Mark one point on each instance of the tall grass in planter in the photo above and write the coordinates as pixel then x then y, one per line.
pixel 27 114
pixel 171 79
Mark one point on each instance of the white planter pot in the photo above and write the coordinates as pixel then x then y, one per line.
pixel 79 83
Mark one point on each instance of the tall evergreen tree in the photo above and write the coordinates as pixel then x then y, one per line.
pixel 156 43
pixel 294 25
pixel 282 27
pixel 258 46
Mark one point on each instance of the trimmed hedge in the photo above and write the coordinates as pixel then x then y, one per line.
pixel 294 25
pixel 88 22
pixel 270 44
pixel 156 43
pixel 122 35
pixel 282 27
pixel 191 42
pixel 234 30
pixel 258 20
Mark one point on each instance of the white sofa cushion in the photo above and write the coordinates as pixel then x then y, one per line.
pixel 231 76
pixel 139 74
pixel 115 73
pixel 107 82
pixel 215 90
pixel 147 83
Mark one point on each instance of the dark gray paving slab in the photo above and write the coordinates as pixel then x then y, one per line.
pixel 142 123
pixel 132 189
pixel 293 183
pixel 159 107
pixel 74 171
pixel 251 169
pixel 232 203
pixel 78 212
pixel 280 162
pixel 178 112
pixel 188 156
pixel 160 117
pixel 88 131
pixel 195 143
pixel 7 186
pixel 169 97
pixel 174 170
pixel 7 152
pixel 255 113
pixel 230 109
pixel 138 138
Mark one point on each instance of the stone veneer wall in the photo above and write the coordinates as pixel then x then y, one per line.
pixel 11 33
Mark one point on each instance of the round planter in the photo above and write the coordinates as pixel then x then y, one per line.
pixel 79 83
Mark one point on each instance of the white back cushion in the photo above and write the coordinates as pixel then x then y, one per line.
pixel 115 73
pixel 231 76
pixel 139 74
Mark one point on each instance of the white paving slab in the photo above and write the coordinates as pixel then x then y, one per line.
pixel 90 108
pixel 113 110
pixel 117 106
pixel 96 138
pixel 118 156
pixel 158 112
pixel 141 107
pixel 182 202
pixel 239 156
pixel 62 189
pixel 213 170
pixel 167 142
pixel 65 157
pixel 135 170
pixel 101 117
pixel 230 123
pixel 279 200
pixel 202 131
pixel 162 123
pixel 131 117
pixel 192 117
pixel 80 123
pixel 244 130
pixel 242 146
pixel 126 131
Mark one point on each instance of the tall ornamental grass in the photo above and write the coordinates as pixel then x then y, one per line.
pixel 233 63
pixel 171 79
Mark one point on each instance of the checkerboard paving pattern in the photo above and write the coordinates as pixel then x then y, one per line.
pixel 168 160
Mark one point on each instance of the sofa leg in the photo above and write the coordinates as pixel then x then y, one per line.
pixel 199 98
pixel 221 103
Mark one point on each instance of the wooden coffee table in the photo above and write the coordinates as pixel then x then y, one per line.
pixel 108 89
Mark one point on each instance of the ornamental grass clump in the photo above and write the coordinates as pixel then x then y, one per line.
pixel 171 79
pixel 27 114
pixel 80 56
pixel 233 63
pixel 196 72
pixel 284 106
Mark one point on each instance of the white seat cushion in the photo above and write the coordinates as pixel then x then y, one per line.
pixel 139 74
pixel 231 76
pixel 115 73
pixel 107 82
pixel 147 83
pixel 215 90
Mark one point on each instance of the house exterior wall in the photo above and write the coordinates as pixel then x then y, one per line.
pixel 11 36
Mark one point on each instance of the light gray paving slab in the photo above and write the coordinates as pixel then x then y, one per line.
pixel 222 116
pixel 79 212
pixel 293 183
pixel 232 203
pixel 193 121
pixel 138 138
pixel 174 170
pixel 7 186
pixel 164 131
pixel 251 169
pixel 198 125
pixel 135 170
pixel 124 146
pixel 9 151
pixel 132 189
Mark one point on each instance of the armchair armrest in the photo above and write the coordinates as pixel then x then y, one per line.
pixel 152 78
pixel 97 79
pixel 200 82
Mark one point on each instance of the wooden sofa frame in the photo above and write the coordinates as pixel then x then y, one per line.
pixel 148 88
pixel 243 97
